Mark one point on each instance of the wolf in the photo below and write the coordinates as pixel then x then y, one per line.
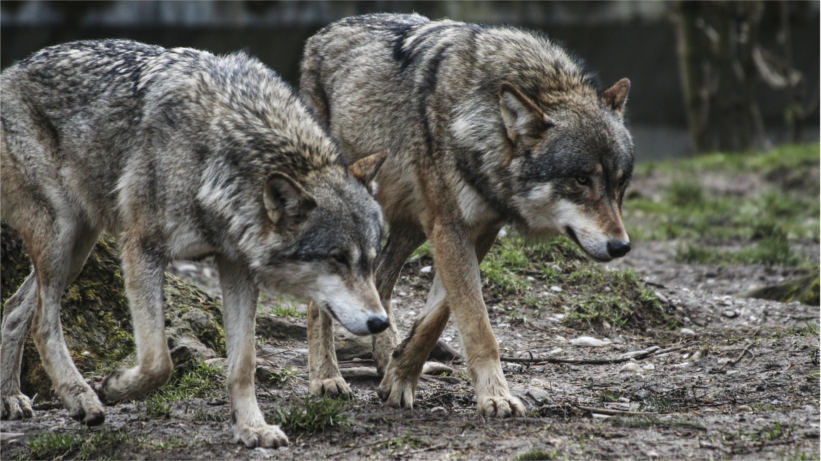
pixel 485 126
pixel 180 154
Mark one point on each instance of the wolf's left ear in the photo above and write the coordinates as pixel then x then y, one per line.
pixel 286 201
pixel 615 96
pixel 365 169
pixel 522 117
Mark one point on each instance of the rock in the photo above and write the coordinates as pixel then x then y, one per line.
pixel 687 332
pixel 729 313
pixel 630 367
pixel 663 299
pixel 648 367
pixel 96 319
pixel 744 409
pixel 426 269
pixel 538 395
pixel 438 410
pixel 556 289
pixel 436 368
pixel 589 341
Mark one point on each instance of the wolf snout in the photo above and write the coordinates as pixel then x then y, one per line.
pixel 618 248
pixel 377 324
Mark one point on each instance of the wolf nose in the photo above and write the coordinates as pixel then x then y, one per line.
pixel 618 248
pixel 377 324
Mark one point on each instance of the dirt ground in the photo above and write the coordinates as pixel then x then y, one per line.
pixel 741 382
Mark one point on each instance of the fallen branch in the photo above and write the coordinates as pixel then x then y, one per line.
pixel 607 411
pixel 634 355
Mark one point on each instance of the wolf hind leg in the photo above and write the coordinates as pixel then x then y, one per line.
pixel 144 276
pixel 398 386
pixel 57 263
pixel 239 310
pixel 323 370
pixel 18 314
pixel 402 241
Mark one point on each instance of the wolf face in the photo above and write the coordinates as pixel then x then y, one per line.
pixel 330 245
pixel 573 165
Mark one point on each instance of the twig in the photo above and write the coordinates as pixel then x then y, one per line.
pixel 355 447
pixel 635 355
pixel 740 356
pixel 607 411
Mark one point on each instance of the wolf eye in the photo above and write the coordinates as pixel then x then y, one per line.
pixel 341 259
pixel 583 180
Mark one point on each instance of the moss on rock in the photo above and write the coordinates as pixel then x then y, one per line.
pixel 95 315
pixel 803 289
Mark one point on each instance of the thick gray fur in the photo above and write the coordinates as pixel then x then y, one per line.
pixel 180 154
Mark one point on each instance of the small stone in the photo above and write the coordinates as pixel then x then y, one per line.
pixel 556 268
pixel 687 332
pixel 744 409
pixel 186 267
pixel 605 325
pixel 539 395
pixel 687 320
pixel 653 454
pixel 661 297
pixel 556 289
pixel 426 269
pixel 608 289
pixel 502 233
pixel 649 366
pixel 561 339
pixel 447 339
pixel 555 351
pixel 438 410
pixel 589 341
pixel 730 314
pixel 631 367
pixel 412 313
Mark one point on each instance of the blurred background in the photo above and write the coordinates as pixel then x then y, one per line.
pixel 707 76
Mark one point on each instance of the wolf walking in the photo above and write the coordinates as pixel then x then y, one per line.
pixel 484 126
pixel 181 154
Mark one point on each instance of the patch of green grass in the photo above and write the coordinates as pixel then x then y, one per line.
pixel 312 416
pixel 425 251
pixel 786 194
pixel 774 250
pixel 772 432
pixel 286 306
pixel 85 445
pixel 201 381
pixel 652 421
pixel 535 455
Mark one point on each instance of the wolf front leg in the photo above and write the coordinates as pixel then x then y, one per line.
pixel 239 310
pixel 459 269
pixel 144 276
pixel 323 370
pixel 455 261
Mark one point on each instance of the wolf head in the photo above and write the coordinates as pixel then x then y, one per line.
pixel 328 229
pixel 572 158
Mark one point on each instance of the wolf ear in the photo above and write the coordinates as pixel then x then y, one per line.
pixel 615 96
pixel 521 115
pixel 365 170
pixel 285 200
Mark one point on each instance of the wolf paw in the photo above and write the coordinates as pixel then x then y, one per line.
pixel 500 406
pixel 85 407
pixel 16 407
pixel 261 435
pixel 397 389
pixel 331 387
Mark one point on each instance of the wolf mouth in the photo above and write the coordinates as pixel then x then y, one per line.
pixel 327 307
pixel 572 234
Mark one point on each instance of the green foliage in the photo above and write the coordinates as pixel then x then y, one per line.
pixel 787 202
pixel 201 381
pixel 406 441
pixel 774 250
pixel 312 416
pixel 425 251
pixel 85 445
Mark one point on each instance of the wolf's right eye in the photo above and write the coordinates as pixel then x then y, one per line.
pixel 341 259
pixel 583 180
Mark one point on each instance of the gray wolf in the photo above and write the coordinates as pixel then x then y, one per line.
pixel 180 154
pixel 484 126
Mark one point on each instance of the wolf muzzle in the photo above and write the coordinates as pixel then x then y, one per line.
pixel 377 324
